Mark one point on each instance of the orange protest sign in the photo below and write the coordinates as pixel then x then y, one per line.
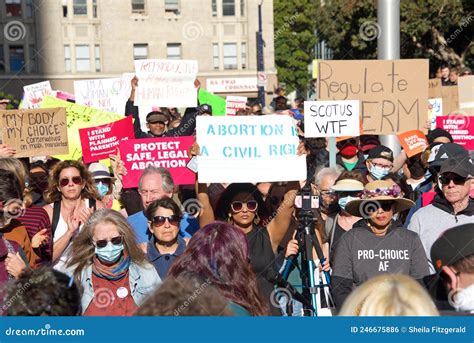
pixel 413 142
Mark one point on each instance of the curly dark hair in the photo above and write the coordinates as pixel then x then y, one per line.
pixel 184 296
pixel 223 205
pixel 53 194
pixel 42 292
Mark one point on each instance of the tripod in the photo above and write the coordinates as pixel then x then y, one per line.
pixel 307 241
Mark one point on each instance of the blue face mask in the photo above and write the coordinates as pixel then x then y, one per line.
pixel 102 188
pixel 110 253
pixel 345 200
pixel 378 173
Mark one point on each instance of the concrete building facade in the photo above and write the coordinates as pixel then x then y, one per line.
pixel 67 40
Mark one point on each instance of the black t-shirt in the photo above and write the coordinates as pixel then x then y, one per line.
pixel 262 258
pixel 338 232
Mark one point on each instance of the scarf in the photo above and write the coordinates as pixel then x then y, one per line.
pixel 111 272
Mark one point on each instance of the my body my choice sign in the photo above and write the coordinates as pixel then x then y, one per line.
pixel 248 149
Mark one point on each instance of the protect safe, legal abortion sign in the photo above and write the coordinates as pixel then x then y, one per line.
pixel 331 118
pixel 248 149
pixel 393 94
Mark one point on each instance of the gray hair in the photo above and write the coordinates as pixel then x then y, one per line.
pixel 325 171
pixel 166 178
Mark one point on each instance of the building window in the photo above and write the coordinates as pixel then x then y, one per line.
pixel 13 8
pixel 64 8
pixel 17 58
pixel 79 7
pixel 138 6
pixel 97 58
pixel 228 7
pixel 67 58
pixel 214 8
pixel 83 62
pixel 172 6
pixel 29 8
pixel 140 51
pixel 215 55
pixel 94 8
pixel 32 63
pixel 243 55
pixel 173 51
pixel 242 8
pixel 230 56
pixel 2 60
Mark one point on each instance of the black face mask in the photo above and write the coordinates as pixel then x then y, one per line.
pixel 417 170
pixel 329 209
pixel 39 182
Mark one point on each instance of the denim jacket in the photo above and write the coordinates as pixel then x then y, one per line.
pixel 143 281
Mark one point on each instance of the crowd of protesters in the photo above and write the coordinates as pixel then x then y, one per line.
pixel 396 233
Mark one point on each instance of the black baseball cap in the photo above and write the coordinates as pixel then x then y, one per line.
pixel 381 151
pixel 438 132
pixel 155 117
pixel 460 166
pixel 453 245
pixel 448 151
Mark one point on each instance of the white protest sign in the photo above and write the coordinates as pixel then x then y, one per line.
pixel 331 118
pixel 248 149
pixel 35 93
pixel 166 83
pixel 235 103
pixel 435 109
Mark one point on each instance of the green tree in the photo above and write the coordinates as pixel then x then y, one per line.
pixel 440 30
pixel 294 41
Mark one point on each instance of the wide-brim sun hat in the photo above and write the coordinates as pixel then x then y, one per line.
pixel 100 172
pixel 375 192
pixel 348 185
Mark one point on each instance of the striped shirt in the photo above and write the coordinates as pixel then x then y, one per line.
pixel 36 219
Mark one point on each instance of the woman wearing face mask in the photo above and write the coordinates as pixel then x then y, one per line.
pixel 109 266
pixel 347 187
pixel 107 186
pixel 379 163
pixel 376 244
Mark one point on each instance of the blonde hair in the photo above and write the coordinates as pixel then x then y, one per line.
pixel 389 295
pixel 18 168
pixel 83 250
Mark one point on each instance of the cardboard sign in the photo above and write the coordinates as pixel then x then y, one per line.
pixel 235 103
pixel 99 142
pixel 466 92
pixel 106 94
pixel 166 83
pixel 78 117
pixel 248 149
pixel 434 88
pixel 435 109
pixel 461 127
pixel 331 118
pixel 393 94
pixel 218 103
pixel 169 153
pixel 413 142
pixel 450 99
pixel 35 132
pixel 35 93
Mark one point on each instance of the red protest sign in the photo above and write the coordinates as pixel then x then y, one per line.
pixel 413 142
pixel 170 153
pixel 99 142
pixel 461 127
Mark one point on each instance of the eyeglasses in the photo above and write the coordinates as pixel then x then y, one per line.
pixel 160 220
pixel 77 180
pixel 238 206
pixel 354 194
pixel 376 205
pixel 457 179
pixel 114 240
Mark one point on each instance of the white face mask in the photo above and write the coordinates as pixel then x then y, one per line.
pixel 463 300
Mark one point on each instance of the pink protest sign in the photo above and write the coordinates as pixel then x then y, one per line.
pixel 99 142
pixel 461 127
pixel 167 152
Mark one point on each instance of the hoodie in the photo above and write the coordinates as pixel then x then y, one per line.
pixel 431 221
pixel 360 255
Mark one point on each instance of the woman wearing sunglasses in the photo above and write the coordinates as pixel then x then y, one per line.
pixel 164 216
pixel 377 243
pixel 242 205
pixel 72 198
pixel 109 266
